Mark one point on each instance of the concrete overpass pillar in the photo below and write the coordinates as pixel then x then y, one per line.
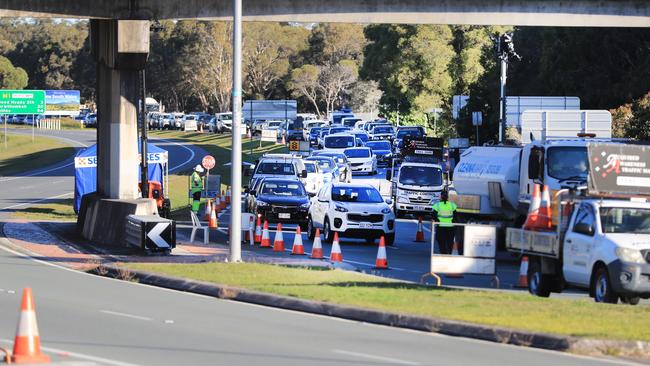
pixel 120 48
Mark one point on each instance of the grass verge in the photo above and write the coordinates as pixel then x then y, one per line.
pixel 520 311
pixel 22 155
pixel 60 210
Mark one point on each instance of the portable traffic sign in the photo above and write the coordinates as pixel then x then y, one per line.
pixel 208 162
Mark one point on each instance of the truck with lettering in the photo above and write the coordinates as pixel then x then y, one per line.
pixel 416 176
pixel 601 236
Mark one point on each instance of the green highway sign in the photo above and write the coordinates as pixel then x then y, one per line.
pixel 22 101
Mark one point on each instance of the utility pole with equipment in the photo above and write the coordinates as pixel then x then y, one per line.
pixel 505 49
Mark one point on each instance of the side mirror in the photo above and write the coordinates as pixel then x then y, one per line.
pixel 252 192
pixel 389 174
pixel 311 194
pixel 584 229
pixel 303 174
pixel 389 201
pixel 536 164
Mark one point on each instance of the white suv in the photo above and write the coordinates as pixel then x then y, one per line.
pixel 352 210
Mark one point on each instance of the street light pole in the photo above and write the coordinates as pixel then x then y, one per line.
pixel 236 157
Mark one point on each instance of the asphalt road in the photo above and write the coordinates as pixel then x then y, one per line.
pixel 108 322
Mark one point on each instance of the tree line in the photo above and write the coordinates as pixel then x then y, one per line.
pixel 404 70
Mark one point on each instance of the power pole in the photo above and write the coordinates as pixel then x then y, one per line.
pixel 505 49
pixel 236 157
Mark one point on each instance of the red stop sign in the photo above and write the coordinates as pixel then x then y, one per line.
pixel 208 162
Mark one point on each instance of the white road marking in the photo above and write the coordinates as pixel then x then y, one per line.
pixel 126 315
pixel 82 356
pixel 192 154
pixel 373 357
pixel 37 201
pixel 11 291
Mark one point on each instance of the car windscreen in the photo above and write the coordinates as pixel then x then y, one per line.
pixel 361 136
pixel 357 153
pixel 356 194
pixel 624 220
pixel 315 131
pixel 338 129
pixel 378 145
pixel 325 164
pixel 420 176
pixel 382 130
pixel 274 124
pixel 339 142
pixel 351 122
pixel 568 163
pixel 288 189
pixel 324 132
pixel 275 168
pixel 414 132
pixel 310 167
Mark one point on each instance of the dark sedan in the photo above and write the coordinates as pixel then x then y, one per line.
pixel 383 150
pixel 282 200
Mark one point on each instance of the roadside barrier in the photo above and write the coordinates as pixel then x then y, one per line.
pixel 298 248
pixel 208 210
pixel 247 226
pixel 266 240
pixel 278 242
pixel 473 252
pixel 27 344
pixel 419 236
pixel 382 261
pixel 317 247
pixel 258 230
pixel 335 254
pixel 48 124
pixel 213 220
pixel 522 281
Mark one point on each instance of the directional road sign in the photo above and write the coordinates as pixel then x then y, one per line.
pixel 22 101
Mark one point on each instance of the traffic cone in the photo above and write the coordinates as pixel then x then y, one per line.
pixel 284 142
pixel 533 209
pixel 208 210
pixel 298 248
pixel 419 236
pixel 213 220
pixel 258 230
pixel 228 196
pixel 317 247
pixel 223 200
pixel 266 240
pixel 381 262
pixel 522 282
pixel 248 133
pixel 545 213
pixel 278 242
pixel 27 344
pixel 335 254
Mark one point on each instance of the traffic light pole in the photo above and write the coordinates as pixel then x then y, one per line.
pixel 502 96
pixel 236 157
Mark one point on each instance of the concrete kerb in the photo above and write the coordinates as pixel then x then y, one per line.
pixel 447 327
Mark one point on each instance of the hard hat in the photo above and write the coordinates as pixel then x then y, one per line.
pixel 198 168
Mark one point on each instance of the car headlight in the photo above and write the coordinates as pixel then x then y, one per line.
pixel 386 210
pixel 262 204
pixel 402 199
pixel 629 255
pixel 305 205
pixel 340 209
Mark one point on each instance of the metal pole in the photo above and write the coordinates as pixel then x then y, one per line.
pixel 502 98
pixel 236 157
pixel 33 124
pixel 5 131
pixel 145 125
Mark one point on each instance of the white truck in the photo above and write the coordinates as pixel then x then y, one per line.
pixel 418 180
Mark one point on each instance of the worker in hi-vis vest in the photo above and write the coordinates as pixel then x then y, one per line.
pixel 196 186
pixel 443 212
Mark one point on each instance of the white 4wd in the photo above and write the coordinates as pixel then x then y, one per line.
pixel 352 210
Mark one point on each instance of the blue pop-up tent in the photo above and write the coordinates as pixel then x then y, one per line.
pixel 85 164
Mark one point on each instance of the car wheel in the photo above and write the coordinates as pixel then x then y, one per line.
pixel 538 284
pixel 630 300
pixel 328 236
pixel 311 231
pixel 389 239
pixel 602 287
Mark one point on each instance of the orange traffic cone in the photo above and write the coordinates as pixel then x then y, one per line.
pixel 317 247
pixel 213 220
pixel 228 195
pixel 335 254
pixel 278 242
pixel 381 262
pixel 27 344
pixel 533 209
pixel 266 240
pixel 545 219
pixel 258 230
pixel 419 236
pixel 522 282
pixel 208 209
pixel 223 200
pixel 298 248
pixel 284 142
